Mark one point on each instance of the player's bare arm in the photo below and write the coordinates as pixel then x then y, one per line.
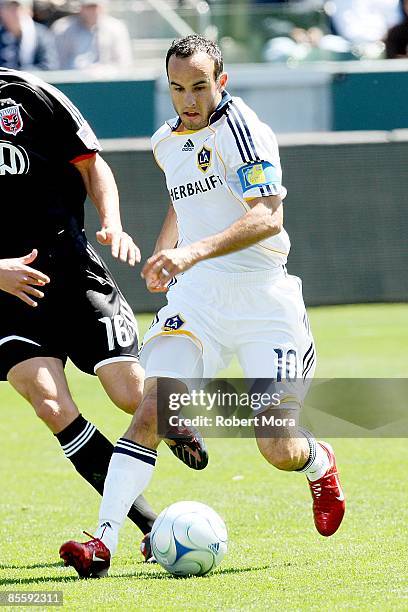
pixel 20 280
pixel 101 188
pixel 168 235
pixel 264 220
pixel 167 239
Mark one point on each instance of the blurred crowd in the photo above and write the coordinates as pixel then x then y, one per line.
pixel 62 35
pixel 355 29
pixel 396 41
pixel 82 35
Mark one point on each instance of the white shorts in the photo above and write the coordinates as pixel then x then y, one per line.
pixel 259 316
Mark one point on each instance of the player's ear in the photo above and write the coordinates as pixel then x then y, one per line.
pixel 222 81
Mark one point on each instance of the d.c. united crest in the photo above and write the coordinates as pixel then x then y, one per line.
pixel 11 121
pixel 204 159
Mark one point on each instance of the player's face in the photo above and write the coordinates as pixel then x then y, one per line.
pixel 194 91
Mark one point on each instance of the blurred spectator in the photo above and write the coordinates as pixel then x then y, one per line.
pixel 396 42
pixel 24 44
pixel 92 39
pixel 48 11
pixel 362 21
pixel 307 45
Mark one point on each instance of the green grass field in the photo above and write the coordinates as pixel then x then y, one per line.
pixel 276 559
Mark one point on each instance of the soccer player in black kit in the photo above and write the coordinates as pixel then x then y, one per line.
pixel 66 304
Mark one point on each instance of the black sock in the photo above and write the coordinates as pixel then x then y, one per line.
pixel 90 453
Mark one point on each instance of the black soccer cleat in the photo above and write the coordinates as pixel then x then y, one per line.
pixel 188 445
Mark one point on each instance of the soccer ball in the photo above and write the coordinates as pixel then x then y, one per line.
pixel 189 539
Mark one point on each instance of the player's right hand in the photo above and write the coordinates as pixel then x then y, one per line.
pixel 122 245
pixel 19 279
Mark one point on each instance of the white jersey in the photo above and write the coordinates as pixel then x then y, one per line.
pixel 212 172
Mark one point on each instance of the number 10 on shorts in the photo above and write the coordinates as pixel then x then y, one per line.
pixel 116 328
pixel 287 363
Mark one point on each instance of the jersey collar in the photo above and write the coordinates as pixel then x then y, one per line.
pixel 217 114
pixel 221 108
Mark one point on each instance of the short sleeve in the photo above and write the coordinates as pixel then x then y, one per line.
pixel 161 134
pixel 250 154
pixel 74 136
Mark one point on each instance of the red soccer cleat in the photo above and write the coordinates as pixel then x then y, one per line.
pixel 328 497
pixel 146 549
pixel 90 559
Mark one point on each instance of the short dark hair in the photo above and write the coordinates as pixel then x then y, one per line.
pixel 194 43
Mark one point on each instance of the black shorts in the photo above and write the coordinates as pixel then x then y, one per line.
pixel 83 315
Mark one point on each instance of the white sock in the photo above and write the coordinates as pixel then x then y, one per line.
pixel 318 462
pixel 130 470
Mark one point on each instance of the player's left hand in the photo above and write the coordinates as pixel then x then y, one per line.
pixel 164 265
pixel 122 245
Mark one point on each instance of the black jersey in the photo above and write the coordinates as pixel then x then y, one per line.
pixel 41 134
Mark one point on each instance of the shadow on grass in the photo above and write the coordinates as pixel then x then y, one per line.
pixel 38 581
pixel 166 576
pixel 241 570
pixel 138 575
pixel 45 579
pixel 33 566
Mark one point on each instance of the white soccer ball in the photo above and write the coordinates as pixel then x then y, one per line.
pixel 189 539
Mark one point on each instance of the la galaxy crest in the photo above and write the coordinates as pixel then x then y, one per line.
pixel 204 159
pixel 173 323
pixel 11 121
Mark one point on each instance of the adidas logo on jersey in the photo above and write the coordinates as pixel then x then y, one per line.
pixel 189 146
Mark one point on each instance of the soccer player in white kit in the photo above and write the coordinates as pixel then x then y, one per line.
pixel 229 292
